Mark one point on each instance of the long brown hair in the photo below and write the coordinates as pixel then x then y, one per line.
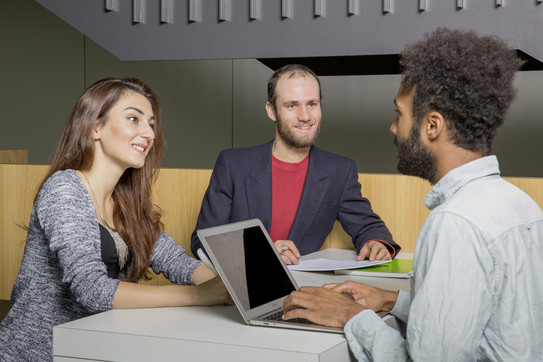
pixel 136 218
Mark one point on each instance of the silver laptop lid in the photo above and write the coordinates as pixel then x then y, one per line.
pixel 249 265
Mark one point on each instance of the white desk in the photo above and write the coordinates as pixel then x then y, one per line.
pixel 201 334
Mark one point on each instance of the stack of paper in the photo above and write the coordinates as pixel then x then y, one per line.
pixel 398 268
pixel 343 261
pixel 323 264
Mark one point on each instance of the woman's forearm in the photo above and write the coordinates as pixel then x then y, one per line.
pixel 133 295
pixel 210 290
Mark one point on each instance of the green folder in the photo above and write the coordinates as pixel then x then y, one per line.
pixel 398 268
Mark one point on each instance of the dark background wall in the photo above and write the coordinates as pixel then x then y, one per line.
pixel 209 105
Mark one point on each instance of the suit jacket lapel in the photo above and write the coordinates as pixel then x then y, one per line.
pixel 315 187
pixel 258 186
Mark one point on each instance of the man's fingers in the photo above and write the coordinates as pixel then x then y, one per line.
pixel 380 253
pixel 287 246
pixel 373 250
pixel 297 299
pixel 320 305
pixel 289 258
pixel 363 252
pixel 293 249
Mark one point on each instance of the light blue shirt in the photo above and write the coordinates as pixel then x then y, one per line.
pixel 477 292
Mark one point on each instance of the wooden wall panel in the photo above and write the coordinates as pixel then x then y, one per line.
pixel 18 186
pixel 178 192
pixel 533 186
pixel 397 199
pixel 14 156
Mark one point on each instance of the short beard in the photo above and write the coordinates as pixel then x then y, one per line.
pixel 292 139
pixel 414 159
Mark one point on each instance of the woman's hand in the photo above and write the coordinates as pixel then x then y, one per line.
pixel 212 292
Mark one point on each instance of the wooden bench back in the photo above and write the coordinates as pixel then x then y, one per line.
pixel 178 192
pixel 14 156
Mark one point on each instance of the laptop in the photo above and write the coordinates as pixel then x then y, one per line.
pixel 254 273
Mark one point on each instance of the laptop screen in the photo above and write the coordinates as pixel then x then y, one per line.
pixel 250 265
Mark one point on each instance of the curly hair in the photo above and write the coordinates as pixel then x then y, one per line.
pixel 467 78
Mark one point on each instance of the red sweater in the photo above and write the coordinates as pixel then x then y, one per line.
pixel 287 186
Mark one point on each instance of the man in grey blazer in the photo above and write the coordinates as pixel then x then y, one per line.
pixel 296 189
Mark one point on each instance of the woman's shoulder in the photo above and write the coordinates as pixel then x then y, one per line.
pixel 68 176
pixel 61 182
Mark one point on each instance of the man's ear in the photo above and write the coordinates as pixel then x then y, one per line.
pixel 270 109
pixel 434 125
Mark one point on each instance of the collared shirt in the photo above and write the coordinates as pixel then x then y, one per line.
pixel 476 293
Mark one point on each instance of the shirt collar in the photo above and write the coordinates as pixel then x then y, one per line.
pixel 458 177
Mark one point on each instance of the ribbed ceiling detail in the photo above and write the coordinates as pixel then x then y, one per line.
pixel 271 29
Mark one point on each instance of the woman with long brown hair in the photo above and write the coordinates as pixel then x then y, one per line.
pixel 94 231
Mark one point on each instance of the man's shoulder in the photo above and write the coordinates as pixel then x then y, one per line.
pixel 250 150
pixel 244 158
pixel 482 193
pixel 330 158
pixel 492 204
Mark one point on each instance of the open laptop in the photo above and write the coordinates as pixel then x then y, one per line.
pixel 254 273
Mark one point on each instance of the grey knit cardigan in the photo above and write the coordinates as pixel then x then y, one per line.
pixel 62 276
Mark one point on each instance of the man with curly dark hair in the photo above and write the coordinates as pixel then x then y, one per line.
pixel 475 293
pixel 459 75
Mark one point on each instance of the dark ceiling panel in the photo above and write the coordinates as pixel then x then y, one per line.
pixel 365 64
pixel 333 36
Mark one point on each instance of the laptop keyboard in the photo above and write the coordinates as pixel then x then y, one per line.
pixel 277 317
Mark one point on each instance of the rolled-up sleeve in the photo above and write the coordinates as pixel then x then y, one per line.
pixel 451 302
pixel 370 339
pixel 402 306
pixel 172 260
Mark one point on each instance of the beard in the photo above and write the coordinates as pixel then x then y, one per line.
pixel 293 139
pixel 414 159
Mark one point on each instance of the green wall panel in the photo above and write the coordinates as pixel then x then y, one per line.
pixel 196 101
pixel 251 123
pixel 41 76
pixel 209 105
